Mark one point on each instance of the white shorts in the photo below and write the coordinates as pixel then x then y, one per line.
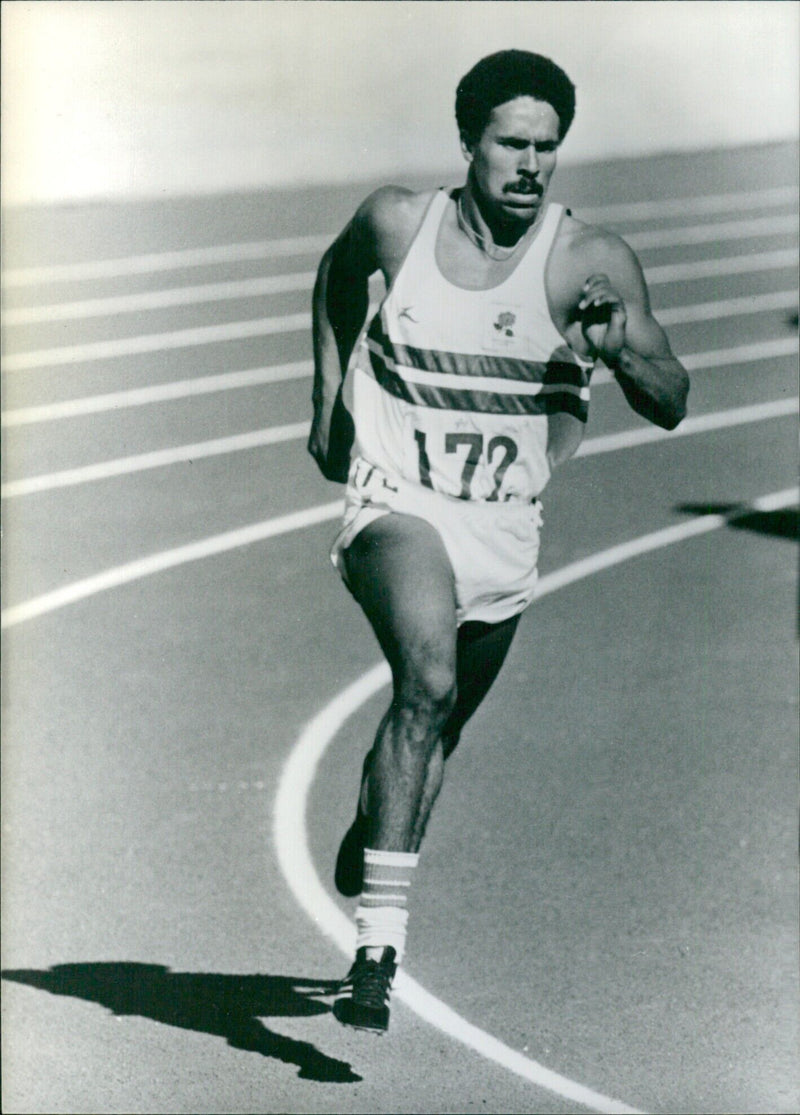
pixel 493 547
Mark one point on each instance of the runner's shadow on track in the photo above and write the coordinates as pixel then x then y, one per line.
pixel 784 523
pixel 228 1006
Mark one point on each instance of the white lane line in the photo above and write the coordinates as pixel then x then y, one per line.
pixel 720 357
pixel 167 559
pixel 290 832
pixel 273 435
pixel 166 261
pixel 158 458
pixel 718 268
pixel 689 206
pixel 291 323
pixel 156 342
pixel 302 281
pixel 161 299
pixel 157 393
pixel 220 543
pixel 728 307
pixel 741 354
pixel 701 424
pixel 713 233
pixel 303 245
pixel 228 381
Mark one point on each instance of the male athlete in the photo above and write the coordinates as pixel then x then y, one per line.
pixel 446 417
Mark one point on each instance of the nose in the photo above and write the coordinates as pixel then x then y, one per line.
pixel 529 161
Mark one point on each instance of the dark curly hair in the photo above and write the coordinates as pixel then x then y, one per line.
pixel 508 74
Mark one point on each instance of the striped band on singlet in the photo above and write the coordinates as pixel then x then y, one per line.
pixel 498 384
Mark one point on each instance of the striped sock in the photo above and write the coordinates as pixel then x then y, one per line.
pixel 381 916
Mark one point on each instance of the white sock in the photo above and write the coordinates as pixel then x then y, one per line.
pixel 381 917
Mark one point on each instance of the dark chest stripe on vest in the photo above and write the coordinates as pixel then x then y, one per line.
pixel 557 370
pixel 561 381
pixel 551 400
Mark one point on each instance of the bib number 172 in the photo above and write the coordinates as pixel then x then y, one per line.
pixel 500 449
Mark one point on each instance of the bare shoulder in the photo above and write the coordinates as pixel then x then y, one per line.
pixel 393 207
pixel 586 249
pixel 388 220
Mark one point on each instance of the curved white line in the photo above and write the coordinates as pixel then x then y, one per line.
pixel 291 839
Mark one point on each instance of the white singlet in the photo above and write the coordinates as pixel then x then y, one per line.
pixel 471 393
pixel 462 402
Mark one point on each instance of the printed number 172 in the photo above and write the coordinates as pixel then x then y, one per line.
pixel 474 446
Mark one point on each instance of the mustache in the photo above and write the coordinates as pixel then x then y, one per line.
pixel 524 186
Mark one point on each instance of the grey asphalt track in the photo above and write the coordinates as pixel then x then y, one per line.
pixel 609 883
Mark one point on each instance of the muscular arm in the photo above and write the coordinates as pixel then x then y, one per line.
pixel 377 239
pixel 618 325
pixel 339 307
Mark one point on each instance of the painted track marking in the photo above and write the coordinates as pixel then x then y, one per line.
pixel 228 381
pixel 167 559
pixel 718 268
pixel 157 342
pixel 291 837
pixel 157 393
pixel 303 281
pixel 161 299
pixel 301 245
pixel 274 435
pixel 166 261
pixel 158 458
pixel 713 233
pixel 292 323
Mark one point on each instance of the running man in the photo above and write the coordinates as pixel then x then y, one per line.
pixel 446 417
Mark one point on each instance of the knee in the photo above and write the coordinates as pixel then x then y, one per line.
pixel 427 692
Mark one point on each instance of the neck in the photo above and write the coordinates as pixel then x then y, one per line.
pixel 497 238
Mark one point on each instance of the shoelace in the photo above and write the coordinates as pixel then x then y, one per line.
pixel 370 982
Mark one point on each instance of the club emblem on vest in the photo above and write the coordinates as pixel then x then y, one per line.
pixel 505 322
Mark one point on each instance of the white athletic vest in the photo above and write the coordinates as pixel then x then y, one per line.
pixel 469 392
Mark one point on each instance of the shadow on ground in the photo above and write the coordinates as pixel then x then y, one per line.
pixel 784 523
pixel 228 1006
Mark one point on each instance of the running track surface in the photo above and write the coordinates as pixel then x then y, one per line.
pixel 608 888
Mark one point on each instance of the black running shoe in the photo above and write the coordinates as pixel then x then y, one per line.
pixel 364 1002
pixel 349 872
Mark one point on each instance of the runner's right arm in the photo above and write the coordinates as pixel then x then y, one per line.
pixel 339 309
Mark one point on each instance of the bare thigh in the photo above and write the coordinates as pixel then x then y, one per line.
pixel 399 572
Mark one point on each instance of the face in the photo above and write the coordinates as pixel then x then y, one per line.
pixel 512 162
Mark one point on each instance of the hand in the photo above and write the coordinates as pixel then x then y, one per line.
pixel 603 318
pixel 331 440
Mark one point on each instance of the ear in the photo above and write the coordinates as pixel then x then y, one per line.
pixel 467 147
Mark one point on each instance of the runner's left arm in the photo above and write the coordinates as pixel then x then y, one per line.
pixel 620 329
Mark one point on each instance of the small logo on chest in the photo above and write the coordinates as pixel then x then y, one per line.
pixel 505 323
pixel 406 312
